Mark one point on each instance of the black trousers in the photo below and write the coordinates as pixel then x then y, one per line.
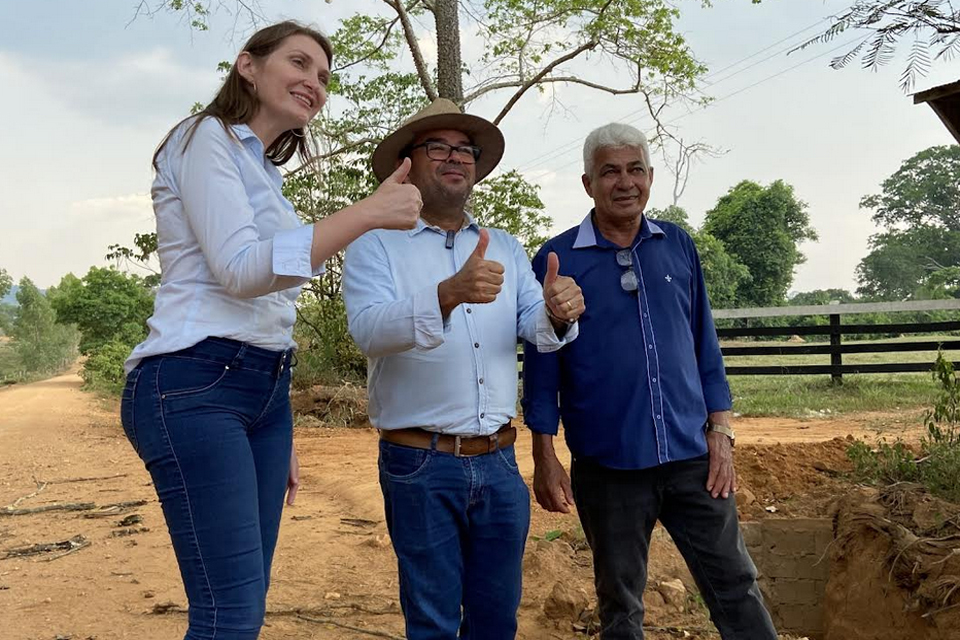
pixel 618 510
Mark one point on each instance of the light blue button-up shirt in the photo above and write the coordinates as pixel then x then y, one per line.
pixel 457 376
pixel 233 253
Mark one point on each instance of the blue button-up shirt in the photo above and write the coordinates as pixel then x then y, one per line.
pixel 635 388
pixel 457 376
pixel 233 253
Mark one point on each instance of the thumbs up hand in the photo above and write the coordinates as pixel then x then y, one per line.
pixel 561 294
pixel 396 204
pixel 478 281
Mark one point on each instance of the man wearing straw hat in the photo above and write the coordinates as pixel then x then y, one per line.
pixel 437 310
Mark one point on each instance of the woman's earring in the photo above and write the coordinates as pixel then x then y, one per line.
pixel 254 88
pixel 298 132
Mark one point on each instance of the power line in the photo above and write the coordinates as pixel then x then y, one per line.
pixel 566 147
pixel 737 92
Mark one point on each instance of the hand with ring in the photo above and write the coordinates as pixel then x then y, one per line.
pixel 561 294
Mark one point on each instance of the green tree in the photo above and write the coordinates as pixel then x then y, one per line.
pixel 761 227
pixel 673 213
pixel 924 192
pixel 106 305
pixel 919 208
pixel 6 283
pixel 509 202
pixel 724 275
pixel 42 345
pixel 821 296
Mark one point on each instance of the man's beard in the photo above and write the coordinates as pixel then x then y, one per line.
pixel 440 196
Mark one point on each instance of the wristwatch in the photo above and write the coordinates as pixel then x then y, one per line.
pixel 724 429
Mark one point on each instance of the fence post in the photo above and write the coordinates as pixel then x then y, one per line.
pixel 836 358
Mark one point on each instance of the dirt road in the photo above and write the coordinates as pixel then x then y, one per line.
pixel 334 573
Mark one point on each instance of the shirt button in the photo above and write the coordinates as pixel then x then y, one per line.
pixel 649 346
pixel 481 380
pixel 482 415
pixel 654 379
pixel 476 345
pixel 469 310
pixel 644 314
pixel 658 417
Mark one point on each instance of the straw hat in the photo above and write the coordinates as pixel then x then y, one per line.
pixel 440 114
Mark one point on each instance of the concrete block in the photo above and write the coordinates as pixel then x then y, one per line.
pixel 752 535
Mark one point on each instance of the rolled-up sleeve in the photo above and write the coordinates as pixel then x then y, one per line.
pixel 533 323
pixel 211 187
pixel 381 323
pixel 291 253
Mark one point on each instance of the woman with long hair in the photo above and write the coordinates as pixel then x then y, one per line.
pixel 206 403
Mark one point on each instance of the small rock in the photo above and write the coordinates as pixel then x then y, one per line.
pixel 745 497
pixel 565 602
pixel 378 542
pixel 149 594
pixel 674 593
pixel 129 521
pixel 332 595
pixel 770 509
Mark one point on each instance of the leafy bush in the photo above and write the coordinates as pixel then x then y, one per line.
pixel 103 369
pixel 327 353
pixel 937 467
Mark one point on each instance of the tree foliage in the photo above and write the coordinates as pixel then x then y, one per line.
pixel 6 283
pixel 106 305
pixel 761 227
pixel 43 345
pixel 924 192
pixel 932 28
pixel 919 208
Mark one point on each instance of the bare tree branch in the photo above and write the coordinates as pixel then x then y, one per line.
pixel 425 80
pixel 569 79
pixel 587 46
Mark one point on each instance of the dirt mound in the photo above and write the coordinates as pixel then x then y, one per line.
pixel 895 572
pixel 322 406
pixel 797 479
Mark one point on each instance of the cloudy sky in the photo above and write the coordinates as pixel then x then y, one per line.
pixel 89 91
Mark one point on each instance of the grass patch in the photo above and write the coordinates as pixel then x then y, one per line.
pixel 817 396
pixel 813 396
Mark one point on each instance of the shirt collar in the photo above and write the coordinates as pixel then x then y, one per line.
pixel 587 236
pixel 469 222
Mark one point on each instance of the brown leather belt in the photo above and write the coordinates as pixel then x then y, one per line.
pixel 460 446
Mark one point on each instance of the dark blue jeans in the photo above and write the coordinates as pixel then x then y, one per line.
pixel 213 425
pixel 458 527
pixel 618 510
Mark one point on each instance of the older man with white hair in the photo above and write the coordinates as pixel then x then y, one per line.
pixel 644 402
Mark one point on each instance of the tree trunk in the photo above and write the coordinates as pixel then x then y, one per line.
pixel 450 82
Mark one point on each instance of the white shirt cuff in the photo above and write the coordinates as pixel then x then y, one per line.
pixel 291 253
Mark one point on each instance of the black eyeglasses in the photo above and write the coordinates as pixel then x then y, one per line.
pixel 628 279
pixel 467 154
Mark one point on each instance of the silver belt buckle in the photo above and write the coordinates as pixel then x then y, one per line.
pixel 456 446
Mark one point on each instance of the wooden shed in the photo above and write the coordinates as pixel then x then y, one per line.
pixel 945 102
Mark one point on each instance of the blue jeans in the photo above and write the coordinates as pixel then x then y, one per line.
pixel 213 425
pixel 458 527
pixel 618 510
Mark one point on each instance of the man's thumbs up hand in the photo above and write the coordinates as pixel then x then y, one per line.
pixel 561 294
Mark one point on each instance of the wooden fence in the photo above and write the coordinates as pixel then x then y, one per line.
pixel 836 330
